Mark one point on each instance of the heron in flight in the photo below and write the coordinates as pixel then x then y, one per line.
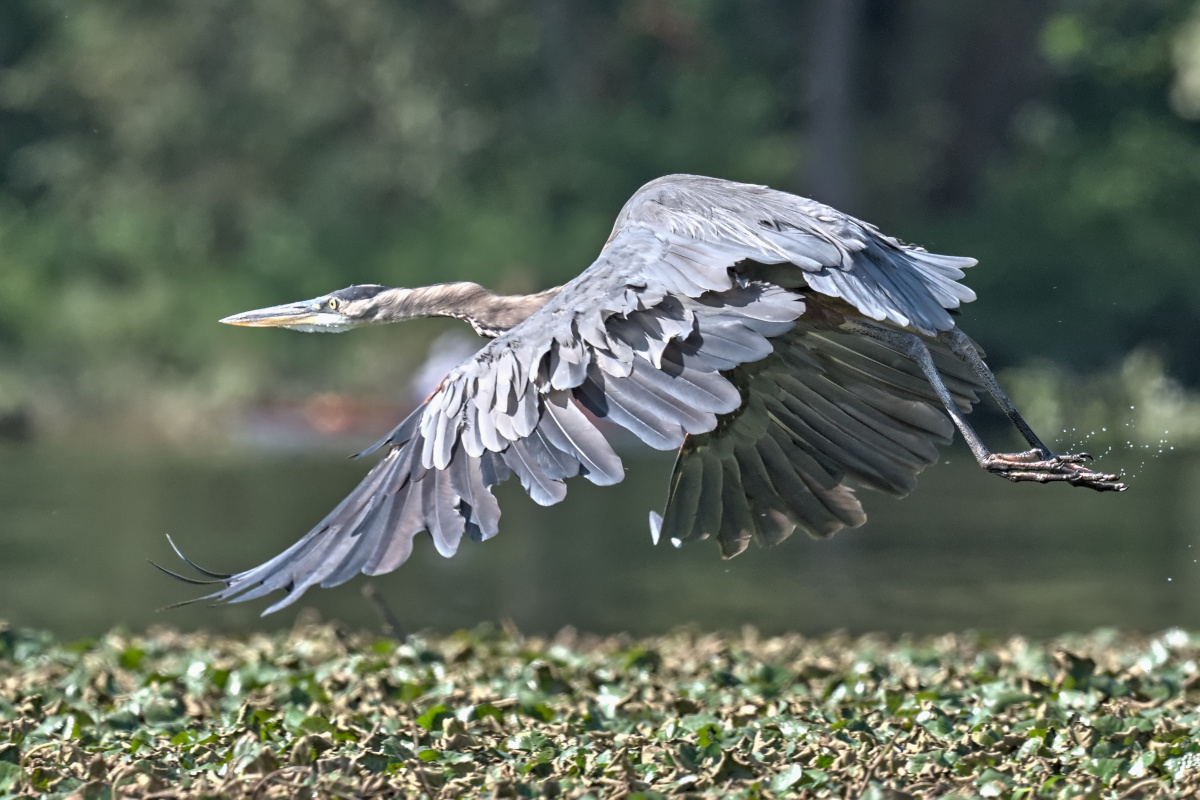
pixel 789 352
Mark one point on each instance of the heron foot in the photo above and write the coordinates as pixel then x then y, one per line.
pixel 1043 467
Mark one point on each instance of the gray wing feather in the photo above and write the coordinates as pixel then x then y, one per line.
pixel 771 525
pixel 568 429
pixel 682 510
pixel 544 491
pixel 809 495
pixel 443 519
pixel 603 396
pixel 409 517
pixel 373 539
pixel 737 523
pixel 708 512
pixel 554 463
pixel 483 512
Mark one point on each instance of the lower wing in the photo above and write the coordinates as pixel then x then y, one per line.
pixel 826 411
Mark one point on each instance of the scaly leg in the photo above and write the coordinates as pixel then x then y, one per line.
pixel 960 344
pixel 1039 464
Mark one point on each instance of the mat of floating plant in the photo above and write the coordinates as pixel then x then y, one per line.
pixel 320 711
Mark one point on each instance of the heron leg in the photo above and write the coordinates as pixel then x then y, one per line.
pixel 1039 464
pixel 961 345
pixel 916 349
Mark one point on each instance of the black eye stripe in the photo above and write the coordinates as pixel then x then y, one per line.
pixel 363 292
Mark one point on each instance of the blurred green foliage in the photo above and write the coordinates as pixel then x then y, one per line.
pixel 165 163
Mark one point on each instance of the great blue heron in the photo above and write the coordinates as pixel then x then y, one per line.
pixel 786 350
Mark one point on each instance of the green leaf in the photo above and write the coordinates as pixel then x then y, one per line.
pixel 432 718
pixel 990 775
pixel 374 762
pixel 482 710
pixel 527 741
pixel 696 722
pixel 814 778
pixel 787 777
pixel 1141 765
pixel 539 711
pixel 316 725
pixel 936 722
pixel 10 776
pixel 131 658
pixel 1106 769
pixel 641 658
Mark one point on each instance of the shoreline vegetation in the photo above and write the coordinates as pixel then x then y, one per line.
pixel 323 711
pixel 250 153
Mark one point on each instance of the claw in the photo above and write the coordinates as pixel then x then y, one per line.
pixel 1034 466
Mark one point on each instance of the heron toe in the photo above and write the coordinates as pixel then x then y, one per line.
pixel 1033 465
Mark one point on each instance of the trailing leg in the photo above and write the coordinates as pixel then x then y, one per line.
pixel 1039 464
pixel 960 344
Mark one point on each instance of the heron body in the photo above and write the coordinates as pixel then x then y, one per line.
pixel 789 352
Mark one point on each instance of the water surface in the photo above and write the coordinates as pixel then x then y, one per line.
pixel 966 550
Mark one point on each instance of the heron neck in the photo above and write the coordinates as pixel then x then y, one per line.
pixel 488 313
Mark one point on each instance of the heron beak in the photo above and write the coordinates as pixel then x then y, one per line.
pixel 277 316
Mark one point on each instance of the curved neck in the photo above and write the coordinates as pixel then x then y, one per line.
pixel 489 314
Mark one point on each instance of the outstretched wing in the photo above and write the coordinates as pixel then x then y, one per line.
pixel 641 338
pixel 838 255
pixel 825 412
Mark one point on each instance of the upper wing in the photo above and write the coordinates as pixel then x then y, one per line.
pixel 826 411
pixel 840 256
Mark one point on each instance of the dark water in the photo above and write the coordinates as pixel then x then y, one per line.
pixel 965 550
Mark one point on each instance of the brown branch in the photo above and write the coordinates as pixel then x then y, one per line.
pixel 870 773
pixel 391 624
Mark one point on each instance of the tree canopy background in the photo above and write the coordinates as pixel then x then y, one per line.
pixel 164 163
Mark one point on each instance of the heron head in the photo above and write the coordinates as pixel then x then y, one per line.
pixel 337 311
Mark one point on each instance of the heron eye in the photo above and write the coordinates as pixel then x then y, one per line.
pixel 333 303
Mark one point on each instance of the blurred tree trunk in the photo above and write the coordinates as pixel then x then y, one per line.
pixel 993 81
pixel 833 45
pixel 557 48
pixel 20 33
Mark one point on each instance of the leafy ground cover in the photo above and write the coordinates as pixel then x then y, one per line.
pixel 319 711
